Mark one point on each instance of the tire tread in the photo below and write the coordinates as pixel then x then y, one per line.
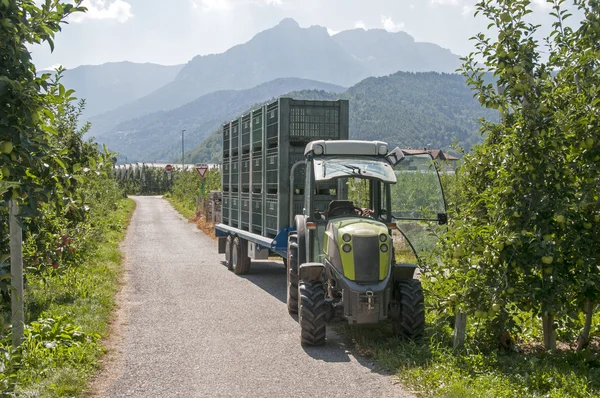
pixel 313 311
pixel 411 323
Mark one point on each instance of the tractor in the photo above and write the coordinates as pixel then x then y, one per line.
pixel 345 257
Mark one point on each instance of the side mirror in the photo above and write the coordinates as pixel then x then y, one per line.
pixel 394 157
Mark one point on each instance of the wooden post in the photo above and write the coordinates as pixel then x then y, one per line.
pixel 549 333
pixel 460 328
pixel 16 270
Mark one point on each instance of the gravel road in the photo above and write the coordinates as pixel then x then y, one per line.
pixel 194 329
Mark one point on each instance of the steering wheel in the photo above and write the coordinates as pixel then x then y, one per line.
pixel 343 210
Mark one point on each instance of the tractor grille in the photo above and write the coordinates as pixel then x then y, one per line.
pixel 366 258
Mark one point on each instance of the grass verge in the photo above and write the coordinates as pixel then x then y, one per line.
pixel 57 358
pixel 190 214
pixel 431 368
pixel 185 208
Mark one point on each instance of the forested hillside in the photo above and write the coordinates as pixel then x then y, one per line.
pixel 416 110
pixel 411 110
pixel 157 136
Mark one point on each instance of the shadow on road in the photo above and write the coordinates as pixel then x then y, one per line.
pixel 270 276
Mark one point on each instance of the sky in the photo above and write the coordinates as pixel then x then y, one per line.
pixel 171 32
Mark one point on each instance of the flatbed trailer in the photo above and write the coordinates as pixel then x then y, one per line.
pixel 259 247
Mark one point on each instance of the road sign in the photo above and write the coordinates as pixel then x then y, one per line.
pixel 202 169
pixel 169 167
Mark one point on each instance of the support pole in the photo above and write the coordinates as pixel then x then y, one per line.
pixel 549 332
pixel 460 327
pixel 16 270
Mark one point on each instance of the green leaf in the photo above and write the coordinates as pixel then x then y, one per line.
pixel 60 163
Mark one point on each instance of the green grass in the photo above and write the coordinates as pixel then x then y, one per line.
pixel 57 359
pixel 433 369
pixel 185 208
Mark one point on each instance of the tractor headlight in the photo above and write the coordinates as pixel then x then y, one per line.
pixel 346 248
pixel 382 149
pixel 384 248
pixel 382 237
pixel 318 149
pixel 346 237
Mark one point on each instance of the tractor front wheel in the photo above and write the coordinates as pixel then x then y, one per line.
pixel 409 321
pixel 312 312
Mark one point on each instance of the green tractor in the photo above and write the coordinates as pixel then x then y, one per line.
pixel 365 212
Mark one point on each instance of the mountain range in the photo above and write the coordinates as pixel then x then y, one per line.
pixel 114 84
pixel 139 110
pixel 157 137
pixel 410 110
pixel 286 50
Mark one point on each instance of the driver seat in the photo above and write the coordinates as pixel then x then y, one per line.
pixel 340 208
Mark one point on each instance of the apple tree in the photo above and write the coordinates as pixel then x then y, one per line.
pixel 525 237
pixel 28 159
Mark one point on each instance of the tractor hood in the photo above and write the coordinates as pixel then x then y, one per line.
pixel 359 248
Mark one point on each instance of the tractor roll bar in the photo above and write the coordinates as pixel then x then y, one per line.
pixel 298 163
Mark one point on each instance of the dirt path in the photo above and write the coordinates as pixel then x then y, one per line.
pixel 191 328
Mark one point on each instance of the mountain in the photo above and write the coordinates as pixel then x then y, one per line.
pixel 416 110
pixel 287 50
pixel 410 110
pixel 157 136
pixel 382 52
pixel 114 84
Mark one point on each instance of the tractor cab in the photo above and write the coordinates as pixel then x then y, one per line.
pixel 350 245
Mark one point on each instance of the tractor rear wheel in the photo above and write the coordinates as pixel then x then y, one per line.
pixel 292 274
pixel 410 321
pixel 228 244
pixel 240 262
pixel 312 312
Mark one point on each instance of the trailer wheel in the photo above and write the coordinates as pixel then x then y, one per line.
pixel 240 262
pixel 409 321
pixel 292 274
pixel 312 313
pixel 228 244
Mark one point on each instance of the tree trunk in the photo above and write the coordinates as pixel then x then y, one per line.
pixel 584 337
pixel 460 327
pixel 549 333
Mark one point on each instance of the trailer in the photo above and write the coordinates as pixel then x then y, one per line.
pixel 260 194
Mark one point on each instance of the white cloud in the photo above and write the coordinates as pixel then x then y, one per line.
pixel 332 32
pixel 118 10
pixel 360 25
pixel 467 10
pixel 228 5
pixel 213 5
pixel 411 6
pixel 446 2
pixel 52 67
pixel 390 25
pixel 543 4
